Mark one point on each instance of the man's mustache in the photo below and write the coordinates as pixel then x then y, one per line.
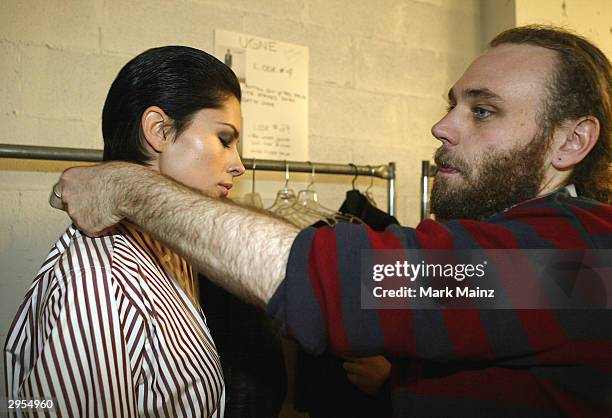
pixel 443 157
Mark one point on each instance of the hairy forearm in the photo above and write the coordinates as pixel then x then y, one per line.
pixel 241 250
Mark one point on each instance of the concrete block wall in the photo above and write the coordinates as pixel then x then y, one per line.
pixel 588 18
pixel 378 74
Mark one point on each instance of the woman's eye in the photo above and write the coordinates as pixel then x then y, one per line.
pixel 449 107
pixel 481 113
pixel 225 141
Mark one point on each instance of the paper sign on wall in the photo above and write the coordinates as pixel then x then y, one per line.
pixel 274 80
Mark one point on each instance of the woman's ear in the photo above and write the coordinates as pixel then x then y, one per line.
pixel 577 142
pixel 154 123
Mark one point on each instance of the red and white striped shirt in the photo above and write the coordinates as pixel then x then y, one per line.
pixel 106 331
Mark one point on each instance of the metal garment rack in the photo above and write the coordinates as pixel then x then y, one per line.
pixel 384 171
pixel 427 170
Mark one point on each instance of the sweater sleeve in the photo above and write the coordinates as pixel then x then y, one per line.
pixel 319 303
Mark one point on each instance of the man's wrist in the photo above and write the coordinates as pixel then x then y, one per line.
pixel 123 180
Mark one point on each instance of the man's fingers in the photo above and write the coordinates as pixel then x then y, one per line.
pixel 362 384
pixel 358 381
pixel 84 192
pixel 353 378
pixel 352 367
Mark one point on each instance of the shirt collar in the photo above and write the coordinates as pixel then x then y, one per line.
pixel 173 264
pixel 571 190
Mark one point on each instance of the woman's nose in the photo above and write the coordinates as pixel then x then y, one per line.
pixel 236 166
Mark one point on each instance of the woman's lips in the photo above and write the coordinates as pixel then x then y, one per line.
pixel 225 188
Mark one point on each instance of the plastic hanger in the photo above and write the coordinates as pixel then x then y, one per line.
pixel 355 201
pixel 308 203
pixel 285 199
pixel 368 191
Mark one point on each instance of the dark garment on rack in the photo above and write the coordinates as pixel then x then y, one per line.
pixel 358 205
pixel 250 351
pixel 322 388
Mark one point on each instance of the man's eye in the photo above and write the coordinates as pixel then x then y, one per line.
pixel 481 113
pixel 449 107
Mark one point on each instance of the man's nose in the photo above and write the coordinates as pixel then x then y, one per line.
pixel 446 130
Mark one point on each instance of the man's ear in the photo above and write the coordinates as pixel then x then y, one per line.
pixel 154 123
pixel 580 136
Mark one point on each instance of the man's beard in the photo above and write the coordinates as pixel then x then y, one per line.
pixel 500 179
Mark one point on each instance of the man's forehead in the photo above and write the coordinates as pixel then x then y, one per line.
pixel 507 70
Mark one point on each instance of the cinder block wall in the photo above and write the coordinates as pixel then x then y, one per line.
pixel 378 74
pixel 588 18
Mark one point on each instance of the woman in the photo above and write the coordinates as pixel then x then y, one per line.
pixel 111 326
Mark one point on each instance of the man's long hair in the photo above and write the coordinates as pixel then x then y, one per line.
pixel 580 86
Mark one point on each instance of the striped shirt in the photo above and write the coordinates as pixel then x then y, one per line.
pixel 107 331
pixel 464 363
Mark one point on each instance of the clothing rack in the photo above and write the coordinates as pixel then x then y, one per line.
pixel 384 171
pixel 427 170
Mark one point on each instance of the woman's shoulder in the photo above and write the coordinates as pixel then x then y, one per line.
pixel 113 256
pixel 119 263
pixel 91 268
pixel 75 254
pixel 102 252
pixel 77 267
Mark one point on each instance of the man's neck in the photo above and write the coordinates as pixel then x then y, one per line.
pixel 571 188
pixel 554 180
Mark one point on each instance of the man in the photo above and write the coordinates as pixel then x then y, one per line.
pixel 528 127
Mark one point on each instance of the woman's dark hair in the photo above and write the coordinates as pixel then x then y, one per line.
pixel 581 85
pixel 179 79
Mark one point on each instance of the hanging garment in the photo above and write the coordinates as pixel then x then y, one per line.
pixel 359 205
pixel 250 351
pixel 322 388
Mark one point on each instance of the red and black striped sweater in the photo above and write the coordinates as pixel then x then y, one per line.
pixel 461 362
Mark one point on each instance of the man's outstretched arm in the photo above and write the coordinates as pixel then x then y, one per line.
pixel 244 251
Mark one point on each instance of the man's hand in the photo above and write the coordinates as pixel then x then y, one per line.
pixel 368 373
pixel 91 195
